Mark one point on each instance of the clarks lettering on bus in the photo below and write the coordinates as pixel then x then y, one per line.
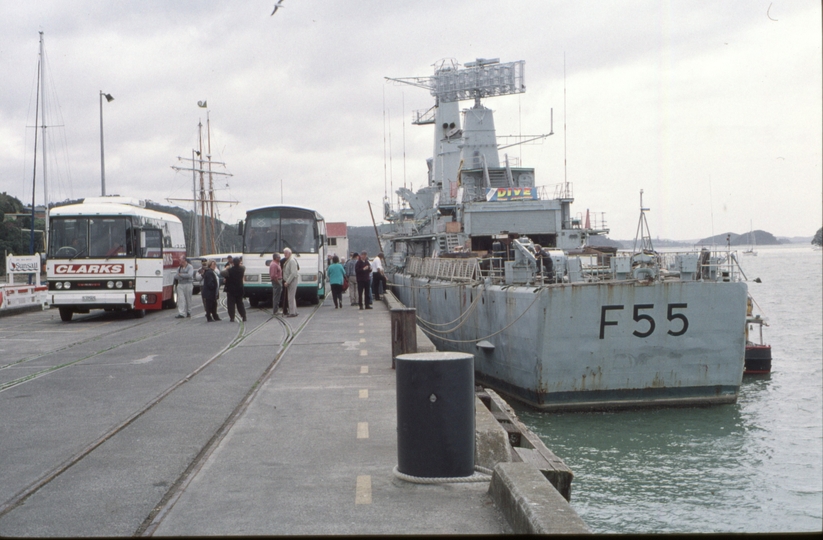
pixel 66 269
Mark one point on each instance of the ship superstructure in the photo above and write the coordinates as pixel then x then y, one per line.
pixel 498 266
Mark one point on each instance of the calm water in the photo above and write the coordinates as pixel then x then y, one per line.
pixel 755 466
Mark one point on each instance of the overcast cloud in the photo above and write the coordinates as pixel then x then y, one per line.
pixel 712 108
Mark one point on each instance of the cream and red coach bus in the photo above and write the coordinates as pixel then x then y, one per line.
pixel 112 253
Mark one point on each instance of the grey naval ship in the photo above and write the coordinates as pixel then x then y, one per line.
pixel 497 266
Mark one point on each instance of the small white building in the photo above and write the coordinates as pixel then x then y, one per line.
pixel 337 240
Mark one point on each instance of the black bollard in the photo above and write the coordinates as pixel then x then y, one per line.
pixel 435 414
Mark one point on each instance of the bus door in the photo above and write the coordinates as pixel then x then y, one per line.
pixel 149 270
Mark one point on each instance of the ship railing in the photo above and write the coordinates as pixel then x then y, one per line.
pixel 444 268
pixel 708 265
pixel 564 191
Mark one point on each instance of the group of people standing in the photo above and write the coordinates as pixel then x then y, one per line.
pixel 284 274
pixel 206 276
pixel 366 281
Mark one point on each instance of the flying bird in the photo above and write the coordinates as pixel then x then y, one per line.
pixel 277 6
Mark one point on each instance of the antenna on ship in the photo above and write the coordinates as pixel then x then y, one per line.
pixel 643 231
pixel 565 166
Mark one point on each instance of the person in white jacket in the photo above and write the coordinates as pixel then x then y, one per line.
pixel 290 277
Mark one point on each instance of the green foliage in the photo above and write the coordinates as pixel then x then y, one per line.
pixel 13 239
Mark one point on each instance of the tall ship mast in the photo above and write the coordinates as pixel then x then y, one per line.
pixel 498 266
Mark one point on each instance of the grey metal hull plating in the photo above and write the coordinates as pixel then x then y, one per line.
pixel 592 346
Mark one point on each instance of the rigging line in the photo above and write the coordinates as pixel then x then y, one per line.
pixel 391 166
pixel 536 297
pixel 403 123
pixel 463 315
pixel 385 172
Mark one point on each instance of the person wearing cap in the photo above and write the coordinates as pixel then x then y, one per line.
pixel 351 277
pixel 185 279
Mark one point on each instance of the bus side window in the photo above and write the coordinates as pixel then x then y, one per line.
pixel 151 244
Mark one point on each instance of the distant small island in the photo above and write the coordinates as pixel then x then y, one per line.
pixel 760 238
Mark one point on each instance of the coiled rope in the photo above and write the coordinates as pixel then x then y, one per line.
pixel 481 474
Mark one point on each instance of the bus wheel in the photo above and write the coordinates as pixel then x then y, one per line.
pixel 254 301
pixel 315 300
pixel 139 313
pixel 171 302
pixel 65 314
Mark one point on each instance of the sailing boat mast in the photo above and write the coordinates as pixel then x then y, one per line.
pixel 40 105
pixel 43 139
pixel 34 173
pixel 211 183
pixel 200 236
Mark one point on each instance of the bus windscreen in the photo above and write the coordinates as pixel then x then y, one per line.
pixel 268 231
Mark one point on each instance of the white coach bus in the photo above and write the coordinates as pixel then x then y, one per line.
pixel 272 229
pixel 112 253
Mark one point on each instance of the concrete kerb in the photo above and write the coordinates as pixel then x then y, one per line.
pixel 530 503
pixel 528 500
pixel 21 309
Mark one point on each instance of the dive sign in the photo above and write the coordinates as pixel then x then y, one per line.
pixel 646 322
pixel 511 194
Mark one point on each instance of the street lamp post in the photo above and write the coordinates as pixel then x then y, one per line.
pixel 109 98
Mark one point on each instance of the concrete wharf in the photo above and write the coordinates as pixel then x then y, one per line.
pixel 312 448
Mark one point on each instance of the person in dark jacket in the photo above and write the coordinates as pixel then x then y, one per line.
pixel 363 270
pixel 233 273
pixel 210 291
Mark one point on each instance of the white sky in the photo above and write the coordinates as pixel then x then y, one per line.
pixel 713 108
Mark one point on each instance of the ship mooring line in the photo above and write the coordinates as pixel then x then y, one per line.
pixel 463 316
pixel 536 297
pixel 481 474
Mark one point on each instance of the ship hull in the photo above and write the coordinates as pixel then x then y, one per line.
pixel 592 346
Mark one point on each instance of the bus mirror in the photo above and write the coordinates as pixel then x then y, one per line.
pixel 240 227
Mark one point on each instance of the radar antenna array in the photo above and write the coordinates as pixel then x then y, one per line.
pixel 479 79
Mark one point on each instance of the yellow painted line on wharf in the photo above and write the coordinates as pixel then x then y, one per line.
pixel 362 491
